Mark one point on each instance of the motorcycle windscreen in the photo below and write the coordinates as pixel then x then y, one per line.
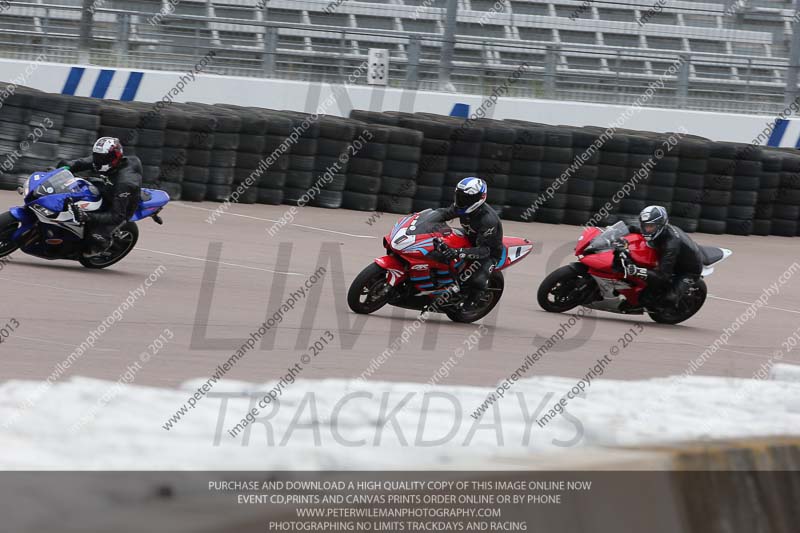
pixel 607 238
pixel 62 182
pixel 428 221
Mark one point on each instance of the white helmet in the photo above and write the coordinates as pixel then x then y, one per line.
pixel 470 195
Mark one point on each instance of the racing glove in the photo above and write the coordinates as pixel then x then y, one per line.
pixel 633 271
pixel 447 252
pixel 78 214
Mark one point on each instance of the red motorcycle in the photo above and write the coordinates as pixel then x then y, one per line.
pixel 414 274
pixel 600 280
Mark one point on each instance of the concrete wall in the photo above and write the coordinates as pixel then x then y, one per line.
pixel 150 86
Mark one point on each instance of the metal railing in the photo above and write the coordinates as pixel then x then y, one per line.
pixel 328 53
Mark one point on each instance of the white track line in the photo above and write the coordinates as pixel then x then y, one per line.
pixel 220 262
pixel 271 220
pixel 63 344
pixel 704 346
pixel 751 303
pixel 81 291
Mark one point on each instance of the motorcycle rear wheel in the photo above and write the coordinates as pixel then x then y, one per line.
pixel 369 291
pixel 8 225
pixel 565 285
pixel 685 310
pixel 125 239
pixel 489 299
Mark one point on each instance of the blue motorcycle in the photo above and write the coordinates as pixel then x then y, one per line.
pixel 45 226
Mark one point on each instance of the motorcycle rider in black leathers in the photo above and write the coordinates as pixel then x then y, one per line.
pixel 120 186
pixel 482 227
pixel 680 257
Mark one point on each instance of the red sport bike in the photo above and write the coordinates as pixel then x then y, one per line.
pixel 414 275
pixel 599 279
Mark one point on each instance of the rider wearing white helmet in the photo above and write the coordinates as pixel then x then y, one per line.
pixel 481 225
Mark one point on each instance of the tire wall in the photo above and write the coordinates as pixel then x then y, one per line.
pixel 401 162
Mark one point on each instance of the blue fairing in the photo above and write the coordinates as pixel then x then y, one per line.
pixel 157 200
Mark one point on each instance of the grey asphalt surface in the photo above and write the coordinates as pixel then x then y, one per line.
pixel 58 303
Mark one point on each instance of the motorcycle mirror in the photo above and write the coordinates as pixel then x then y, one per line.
pixel 20 191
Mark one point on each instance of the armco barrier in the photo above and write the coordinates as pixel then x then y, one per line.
pixel 399 162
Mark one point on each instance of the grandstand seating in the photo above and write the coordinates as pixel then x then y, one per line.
pixel 601 49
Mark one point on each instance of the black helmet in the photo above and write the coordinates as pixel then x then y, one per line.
pixel 653 219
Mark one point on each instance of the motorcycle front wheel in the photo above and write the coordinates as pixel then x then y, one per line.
pixel 125 239
pixel 565 288
pixel 8 225
pixel 369 291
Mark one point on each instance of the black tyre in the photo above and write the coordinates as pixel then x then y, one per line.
pixel 566 288
pixel 488 299
pixel 125 239
pixel 8 225
pixel 193 192
pixel 369 291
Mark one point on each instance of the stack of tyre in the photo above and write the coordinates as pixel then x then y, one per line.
pixel 334 149
pixel 744 194
pixel 249 153
pixel 434 151
pixel 582 178
pixel 465 156
pixel 174 152
pixel 718 187
pixel 612 174
pixel 221 171
pixel 81 125
pixel 687 190
pixel 555 183
pixel 522 191
pixel 364 170
pixel 769 184
pixel 640 164
pixel 270 182
pixel 13 129
pixel 494 165
pixel 302 161
pixel 400 168
pixel 41 129
pixel 198 153
pixel 662 174
pixel 786 211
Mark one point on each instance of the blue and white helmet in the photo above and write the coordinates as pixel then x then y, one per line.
pixel 470 195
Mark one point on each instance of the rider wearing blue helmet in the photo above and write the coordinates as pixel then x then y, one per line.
pixel 481 225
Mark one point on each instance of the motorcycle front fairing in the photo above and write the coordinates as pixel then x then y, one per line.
pixel 46 194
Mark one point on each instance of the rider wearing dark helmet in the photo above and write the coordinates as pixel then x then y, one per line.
pixel 120 186
pixel 679 254
pixel 482 227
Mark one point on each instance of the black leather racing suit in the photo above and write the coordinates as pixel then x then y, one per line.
pixel 485 231
pixel 121 195
pixel 679 256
